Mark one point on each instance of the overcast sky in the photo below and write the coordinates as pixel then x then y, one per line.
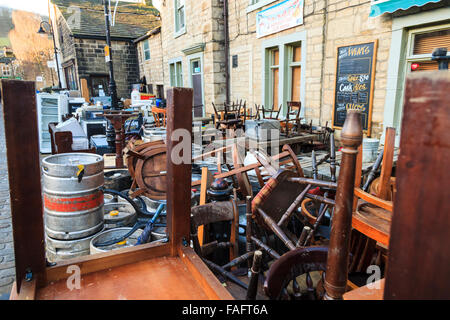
pixel 37 6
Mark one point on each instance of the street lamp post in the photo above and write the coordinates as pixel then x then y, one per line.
pixel 108 56
pixel 42 31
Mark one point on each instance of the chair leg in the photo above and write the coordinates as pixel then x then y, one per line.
pixel 253 284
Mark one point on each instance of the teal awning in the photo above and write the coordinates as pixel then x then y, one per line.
pixel 379 7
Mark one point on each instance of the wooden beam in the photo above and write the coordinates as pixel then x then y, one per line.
pixel 179 117
pixel 107 260
pixel 419 258
pixel 209 283
pixel 22 149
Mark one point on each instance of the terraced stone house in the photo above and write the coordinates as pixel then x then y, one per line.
pixel 81 38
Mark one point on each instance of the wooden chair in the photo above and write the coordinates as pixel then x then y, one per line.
pixel 61 141
pixel 229 119
pixel 293 109
pixel 209 213
pixel 261 110
pixel 372 213
pixel 273 201
pixel 160 116
pixel 292 265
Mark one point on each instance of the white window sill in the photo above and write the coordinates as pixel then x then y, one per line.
pixel 179 33
pixel 258 5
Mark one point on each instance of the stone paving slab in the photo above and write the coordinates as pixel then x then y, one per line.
pixel 7 269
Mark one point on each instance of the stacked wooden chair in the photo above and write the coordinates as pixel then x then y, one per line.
pixel 288 125
pixel 372 212
pixel 231 117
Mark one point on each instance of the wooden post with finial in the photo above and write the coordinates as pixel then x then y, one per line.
pixel 339 247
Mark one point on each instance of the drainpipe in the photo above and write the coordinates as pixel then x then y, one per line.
pixel 227 51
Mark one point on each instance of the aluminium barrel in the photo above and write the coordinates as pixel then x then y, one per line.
pixel 73 199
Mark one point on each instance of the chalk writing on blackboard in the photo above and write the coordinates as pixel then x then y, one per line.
pixel 354 82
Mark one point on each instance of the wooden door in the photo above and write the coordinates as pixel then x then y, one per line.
pixel 196 74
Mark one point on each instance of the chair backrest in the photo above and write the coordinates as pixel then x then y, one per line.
pixel 293 108
pixel 215 212
pixel 384 185
pixel 215 111
pixel 277 195
pixel 293 264
pixel 61 141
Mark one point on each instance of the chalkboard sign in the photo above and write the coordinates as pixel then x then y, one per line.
pixel 354 83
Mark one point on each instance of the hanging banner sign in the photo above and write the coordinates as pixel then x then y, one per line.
pixel 282 16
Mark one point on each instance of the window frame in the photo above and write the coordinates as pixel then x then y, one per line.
pixel 393 108
pixel 272 66
pixel 177 5
pixel 145 50
pixel 284 94
pixel 410 56
pixel 291 63
pixel 176 72
pixel 257 4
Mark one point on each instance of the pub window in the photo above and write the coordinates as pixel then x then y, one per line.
pixel 422 43
pixel 146 51
pixel 176 74
pixel 294 72
pixel 179 16
pixel 274 77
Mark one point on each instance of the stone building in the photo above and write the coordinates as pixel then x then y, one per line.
pixel 301 61
pixel 80 35
pixel 7 66
pixel 151 65
pixel 192 50
pixel 292 55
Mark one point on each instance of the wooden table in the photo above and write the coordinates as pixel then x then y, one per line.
pixel 170 270
pixel 366 293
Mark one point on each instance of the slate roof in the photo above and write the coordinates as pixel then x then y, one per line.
pixel 132 20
